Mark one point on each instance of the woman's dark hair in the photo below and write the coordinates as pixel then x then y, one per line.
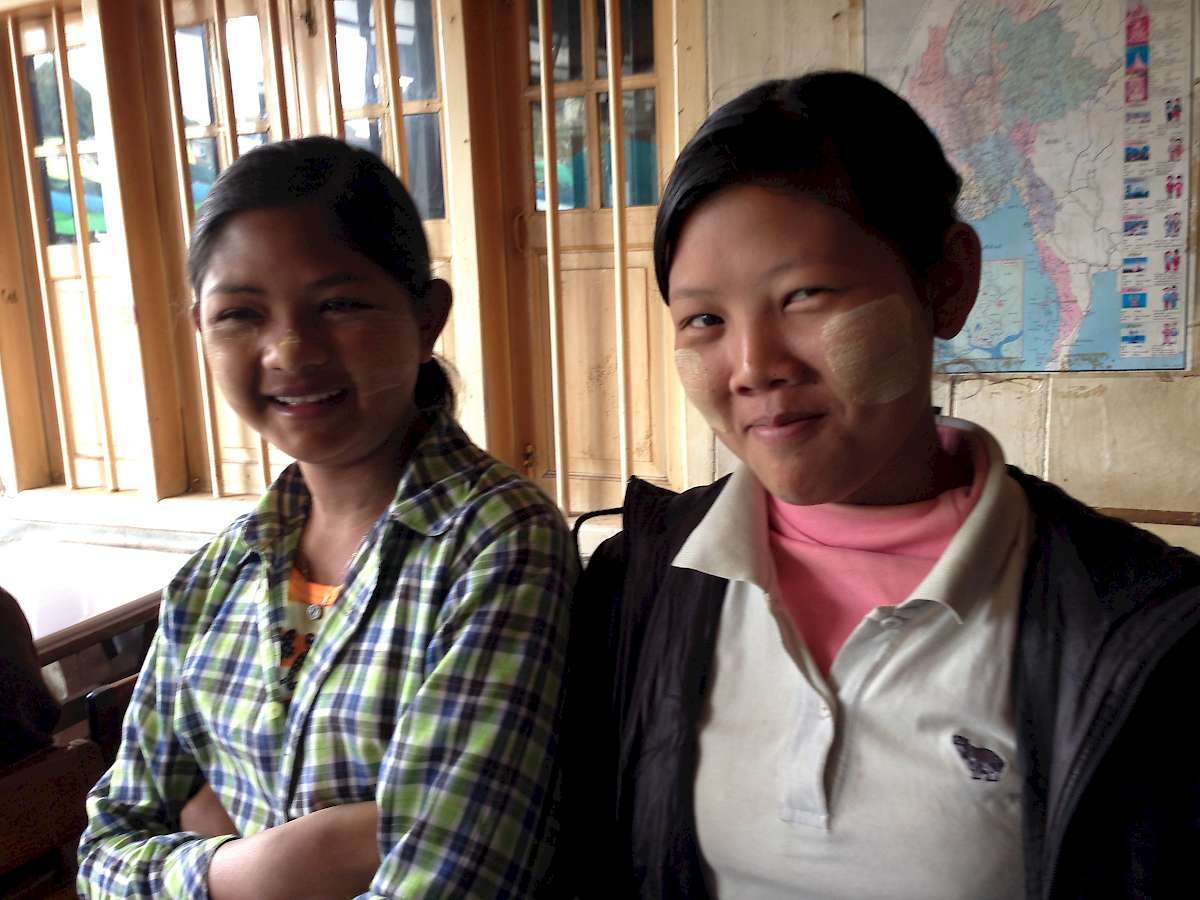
pixel 839 136
pixel 367 205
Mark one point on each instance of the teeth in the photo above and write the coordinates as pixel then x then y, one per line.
pixel 308 398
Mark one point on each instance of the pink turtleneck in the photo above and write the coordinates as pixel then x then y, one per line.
pixel 836 562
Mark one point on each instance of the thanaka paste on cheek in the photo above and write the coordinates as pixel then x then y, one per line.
pixel 693 375
pixel 874 351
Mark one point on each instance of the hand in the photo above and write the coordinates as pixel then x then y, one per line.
pixel 205 815
pixel 333 852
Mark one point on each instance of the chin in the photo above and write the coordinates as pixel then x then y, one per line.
pixel 833 488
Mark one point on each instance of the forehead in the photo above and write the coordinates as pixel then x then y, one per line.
pixel 282 244
pixel 743 231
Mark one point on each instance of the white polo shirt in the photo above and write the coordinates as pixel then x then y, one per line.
pixel 896 777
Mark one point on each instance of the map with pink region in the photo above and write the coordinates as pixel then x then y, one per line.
pixel 1063 177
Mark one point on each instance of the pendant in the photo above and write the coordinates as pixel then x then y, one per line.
pixel 314 611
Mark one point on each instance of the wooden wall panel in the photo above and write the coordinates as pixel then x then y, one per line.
pixel 1129 442
pixel 1014 410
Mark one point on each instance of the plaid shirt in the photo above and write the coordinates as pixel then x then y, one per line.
pixel 433 689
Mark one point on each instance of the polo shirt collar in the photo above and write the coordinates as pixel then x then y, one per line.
pixel 732 540
pixel 982 548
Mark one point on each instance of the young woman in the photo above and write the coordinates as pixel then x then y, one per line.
pixel 872 662
pixel 356 685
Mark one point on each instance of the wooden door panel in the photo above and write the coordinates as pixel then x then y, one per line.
pixel 590 377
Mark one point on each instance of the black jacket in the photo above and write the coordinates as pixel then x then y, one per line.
pixel 1107 666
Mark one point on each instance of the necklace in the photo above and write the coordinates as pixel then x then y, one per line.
pixel 317 605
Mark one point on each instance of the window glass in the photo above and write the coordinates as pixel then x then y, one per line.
pixel 423 140
pixel 637 37
pixel 246 68
pixel 93 195
pixel 641 149
pixel 86 75
pixel 56 190
pixel 41 75
pixel 247 142
pixel 414 49
pixel 365 133
pixel 195 82
pixel 567 50
pixel 358 63
pixel 203 167
pixel 570 131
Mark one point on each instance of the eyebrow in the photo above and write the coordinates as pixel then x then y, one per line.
pixel 693 293
pixel 234 288
pixel 320 284
pixel 699 293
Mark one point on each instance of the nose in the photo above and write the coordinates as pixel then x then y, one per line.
pixel 295 347
pixel 766 359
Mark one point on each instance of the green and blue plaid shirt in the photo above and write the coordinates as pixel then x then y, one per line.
pixel 433 689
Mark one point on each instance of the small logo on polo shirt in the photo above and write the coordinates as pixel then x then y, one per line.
pixel 983 763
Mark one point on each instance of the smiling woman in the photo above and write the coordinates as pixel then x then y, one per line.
pixel 356 686
pixel 842 671
pixel 314 346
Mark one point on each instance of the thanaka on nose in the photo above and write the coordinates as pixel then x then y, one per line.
pixel 293 353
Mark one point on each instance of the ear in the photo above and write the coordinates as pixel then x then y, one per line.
pixel 432 312
pixel 953 281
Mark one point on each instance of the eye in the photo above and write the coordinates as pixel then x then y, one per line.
pixel 803 294
pixel 701 320
pixel 236 314
pixel 343 304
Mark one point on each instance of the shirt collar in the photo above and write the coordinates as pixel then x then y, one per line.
pixel 435 484
pixel 731 541
pixel 984 545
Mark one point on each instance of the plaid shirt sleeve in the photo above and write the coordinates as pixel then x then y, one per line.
pixel 468 787
pixel 133 846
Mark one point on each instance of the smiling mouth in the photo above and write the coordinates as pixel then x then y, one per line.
pixel 781 421
pixel 326 397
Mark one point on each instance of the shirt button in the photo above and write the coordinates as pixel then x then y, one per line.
pixel 824 711
pixel 891 622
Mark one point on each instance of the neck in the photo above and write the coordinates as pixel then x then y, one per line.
pixel 939 471
pixel 920 470
pixel 346 500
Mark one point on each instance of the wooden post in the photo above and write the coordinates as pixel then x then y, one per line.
pixel 391 73
pixel 186 201
pixel 279 114
pixel 553 262
pixel 37 214
pixel 83 241
pixel 616 133
pixel 334 78
pixel 135 248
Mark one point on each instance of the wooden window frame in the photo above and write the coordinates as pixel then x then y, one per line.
pixel 391 95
